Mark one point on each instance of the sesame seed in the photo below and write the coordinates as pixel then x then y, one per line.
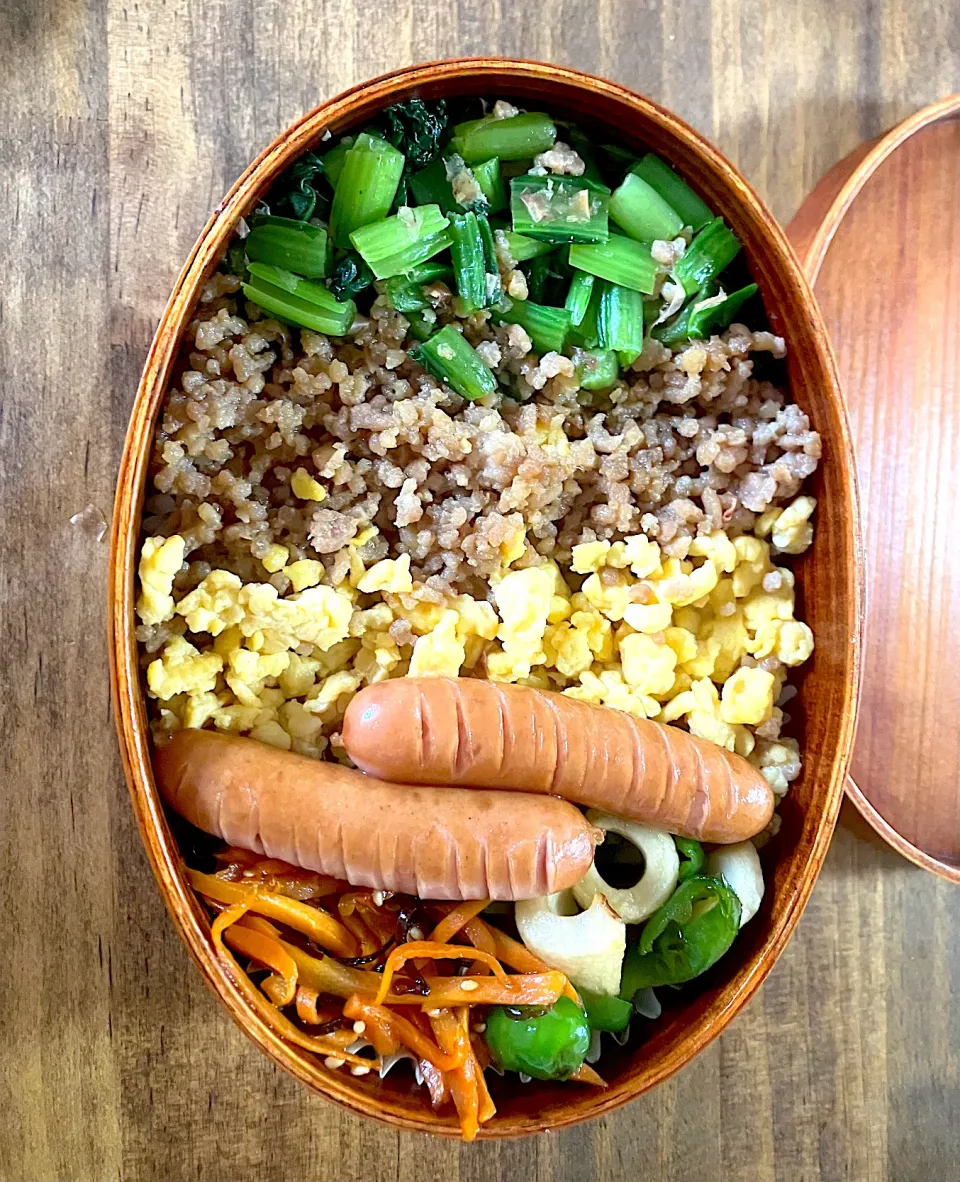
pixel 359 1027
pixel 468 986
pixel 433 1013
pixel 333 1062
pixel 480 1027
pixel 415 934
pixel 359 1070
pixel 378 898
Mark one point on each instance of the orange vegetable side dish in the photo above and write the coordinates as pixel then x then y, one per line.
pixel 313 947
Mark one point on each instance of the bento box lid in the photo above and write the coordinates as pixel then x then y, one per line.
pixel 879 239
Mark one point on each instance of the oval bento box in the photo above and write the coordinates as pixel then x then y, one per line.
pixel 828 578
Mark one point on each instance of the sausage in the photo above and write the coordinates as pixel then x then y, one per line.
pixel 438 843
pixel 482 733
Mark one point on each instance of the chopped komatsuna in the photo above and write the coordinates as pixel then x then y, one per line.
pixel 406 293
pixel 713 250
pixel 704 316
pixel 285 242
pixel 366 187
pixel 578 298
pixel 431 186
pixel 474 263
pixel 598 368
pixel 674 191
pixel 547 328
pixel 523 248
pixel 399 243
pixel 453 360
pixel 640 210
pixel 620 320
pixel 619 260
pixel 490 180
pixel 334 160
pixel 519 137
pixel 559 208
pixel 443 413
pixel 299 301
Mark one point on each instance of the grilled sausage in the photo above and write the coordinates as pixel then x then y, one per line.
pixel 438 843
pixel 482 733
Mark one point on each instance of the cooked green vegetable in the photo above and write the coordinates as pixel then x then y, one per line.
pixel 691 857
pixel 598 368
pixel 299 301
pixel 515 138
pixel 620 320
pixel 395 245
pixel 713 249
pixel 587 333
pixel 675 191
pixel 490 180
pixel 578 296
pixel 704 316
pixel 405 292
pixel 522 248
pixel 415 127
pixel 366 187
pixel 620 260
pixel 642 212
pixel 431 186
pixel 684 938
pixel 559 209
pixel 349 277
pixel 546 327
pixel 285 242
pixel 296 193
pixel 611 1014
pixel 544 1045
pixel 451 358
pixel 421 328
pixel 333 161
pixel 469 260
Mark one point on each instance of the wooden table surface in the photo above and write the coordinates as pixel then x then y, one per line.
pixel 123 123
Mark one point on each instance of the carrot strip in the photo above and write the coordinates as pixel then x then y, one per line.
pixel 309 921
pixel 269 952
pixel 452 1034
pixel 527 989
pixel 306 999
pixel 454 920
pixel 585 1074
pixel 427 948
pixel 277 1022
pixel 479 936
pixel 400 1029
pixel 486 1107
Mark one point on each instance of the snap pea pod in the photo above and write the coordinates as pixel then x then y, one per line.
pixel 545 1045
pixel 684 938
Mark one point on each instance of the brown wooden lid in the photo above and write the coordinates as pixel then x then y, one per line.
pixel 879 239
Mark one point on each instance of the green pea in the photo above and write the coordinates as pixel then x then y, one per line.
pixel 684 938
pixel 547 1044
pixel 612 1014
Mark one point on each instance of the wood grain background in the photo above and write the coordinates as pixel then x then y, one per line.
pixel 123 124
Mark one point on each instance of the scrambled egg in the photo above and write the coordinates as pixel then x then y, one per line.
pixel 160 560
pixel 704 640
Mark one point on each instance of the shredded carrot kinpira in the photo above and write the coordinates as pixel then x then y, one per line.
pixel 426 948
pixel 309 921
pixel 270 1013
pixel 454 920
pixel 343 974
